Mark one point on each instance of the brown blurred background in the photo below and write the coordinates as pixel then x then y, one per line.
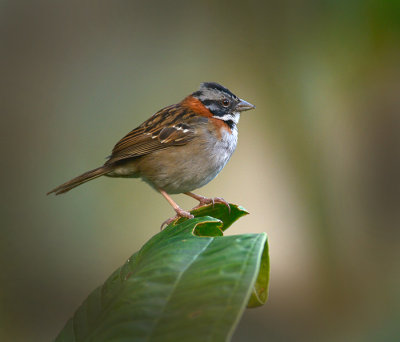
pixel 317 164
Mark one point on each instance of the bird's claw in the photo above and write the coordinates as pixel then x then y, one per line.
pixel 179 213
pixel 205 201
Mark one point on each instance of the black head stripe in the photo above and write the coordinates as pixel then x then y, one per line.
pixel 217 111
pixel 216 86
pixel 197 93
pixel 208 102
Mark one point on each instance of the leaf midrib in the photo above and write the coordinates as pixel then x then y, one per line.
pixel 178 278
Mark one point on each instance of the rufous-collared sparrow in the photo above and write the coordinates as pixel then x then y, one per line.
pixel 180 148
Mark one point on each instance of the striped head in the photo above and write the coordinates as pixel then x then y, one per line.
pixel 222 103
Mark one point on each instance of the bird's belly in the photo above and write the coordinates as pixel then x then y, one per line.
pixel 182 169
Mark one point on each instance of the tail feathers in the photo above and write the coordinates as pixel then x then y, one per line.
pixel 83 178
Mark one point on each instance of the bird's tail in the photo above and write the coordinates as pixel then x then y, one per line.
pixel 83 178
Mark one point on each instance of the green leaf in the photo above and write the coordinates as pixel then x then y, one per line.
pixel 187 283
pixel 259 294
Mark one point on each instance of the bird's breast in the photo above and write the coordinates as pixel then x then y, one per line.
pixel 222 146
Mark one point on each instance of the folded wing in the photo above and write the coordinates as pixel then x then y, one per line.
pixel 163 129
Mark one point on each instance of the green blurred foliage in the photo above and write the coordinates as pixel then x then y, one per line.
pixel 317 163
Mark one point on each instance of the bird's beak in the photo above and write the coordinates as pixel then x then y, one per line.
pixel 244 105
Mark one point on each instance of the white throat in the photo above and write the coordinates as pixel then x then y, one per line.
pixel 234 117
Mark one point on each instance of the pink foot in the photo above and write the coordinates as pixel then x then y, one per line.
pixel 179 213
pixel 204 201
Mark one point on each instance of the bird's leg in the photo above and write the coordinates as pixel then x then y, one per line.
pixel 204 200
pixel 179 212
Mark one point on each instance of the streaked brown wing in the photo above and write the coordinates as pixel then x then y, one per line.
pixel 163 129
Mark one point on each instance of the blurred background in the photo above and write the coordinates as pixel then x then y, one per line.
pixel 317 163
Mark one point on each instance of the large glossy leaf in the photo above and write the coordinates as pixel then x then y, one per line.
pixel 187 283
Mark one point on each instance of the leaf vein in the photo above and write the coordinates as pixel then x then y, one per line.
pixel 176 284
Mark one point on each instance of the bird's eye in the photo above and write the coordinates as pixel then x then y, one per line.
pixel 225 102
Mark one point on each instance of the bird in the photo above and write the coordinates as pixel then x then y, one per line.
pixel 182 147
